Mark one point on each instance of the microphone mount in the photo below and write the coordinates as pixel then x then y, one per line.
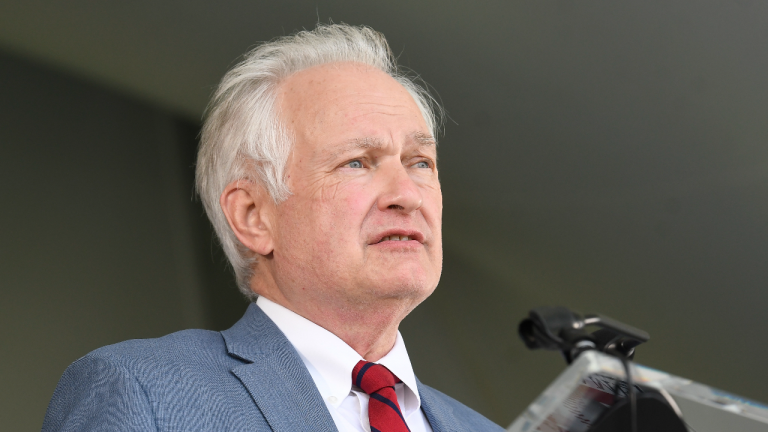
pixel 558 328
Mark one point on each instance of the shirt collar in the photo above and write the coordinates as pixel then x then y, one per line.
pixel 329 359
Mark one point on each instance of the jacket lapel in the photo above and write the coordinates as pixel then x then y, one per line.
pixel 276 377
pixel 439 414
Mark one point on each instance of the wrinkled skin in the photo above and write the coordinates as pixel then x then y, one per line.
pixel 363 168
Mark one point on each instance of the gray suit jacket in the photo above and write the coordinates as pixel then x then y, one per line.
pixel 247 378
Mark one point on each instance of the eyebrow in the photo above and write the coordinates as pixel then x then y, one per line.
pixel 423 139
pixel 365 143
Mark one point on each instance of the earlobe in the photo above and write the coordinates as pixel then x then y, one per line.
pixel 249 210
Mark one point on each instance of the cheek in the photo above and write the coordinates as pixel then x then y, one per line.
pixel 324 227
pixel 331 234
pixel 432 207
pixel 344 207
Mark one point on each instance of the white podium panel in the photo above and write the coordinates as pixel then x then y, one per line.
pixel 589 386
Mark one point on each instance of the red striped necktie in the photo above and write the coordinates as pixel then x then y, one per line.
pixel 383 410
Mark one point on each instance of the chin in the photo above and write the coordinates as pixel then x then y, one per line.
pixel 410 285
pixel 412 278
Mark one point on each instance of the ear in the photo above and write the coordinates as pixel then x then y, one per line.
pixel 250 212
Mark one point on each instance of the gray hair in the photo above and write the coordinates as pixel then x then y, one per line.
pixel 242 136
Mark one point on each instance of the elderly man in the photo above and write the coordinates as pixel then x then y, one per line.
pixel 317 168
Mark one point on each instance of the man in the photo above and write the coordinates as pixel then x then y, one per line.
pixel 317 168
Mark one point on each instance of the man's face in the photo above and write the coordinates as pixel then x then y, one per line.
pixel 363 223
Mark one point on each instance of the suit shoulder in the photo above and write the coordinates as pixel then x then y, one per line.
pixel 473 420
pixel 184 347
pixel 172 369
pixel 129 385
pixel 186 339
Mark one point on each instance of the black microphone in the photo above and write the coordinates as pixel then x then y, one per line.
pixel 559 328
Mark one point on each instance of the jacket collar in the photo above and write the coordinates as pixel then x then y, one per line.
pixel 275 376
pixel 439 414
pixel 283 389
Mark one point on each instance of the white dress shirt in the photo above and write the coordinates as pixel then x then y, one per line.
pixel 330 362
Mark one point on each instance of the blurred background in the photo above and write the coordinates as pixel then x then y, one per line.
pixel 607 156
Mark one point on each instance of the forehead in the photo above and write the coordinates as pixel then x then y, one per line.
pixel 343 102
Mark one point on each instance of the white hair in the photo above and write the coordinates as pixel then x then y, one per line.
pixel 242 136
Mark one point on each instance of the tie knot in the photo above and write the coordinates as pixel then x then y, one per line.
pixel 372 377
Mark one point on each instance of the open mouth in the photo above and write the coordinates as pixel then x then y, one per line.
pixel 399 235
pixel 395 238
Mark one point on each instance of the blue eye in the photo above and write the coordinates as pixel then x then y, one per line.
pixel 355 164
pixel 422 164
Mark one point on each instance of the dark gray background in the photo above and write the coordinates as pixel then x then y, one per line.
pixel 607 156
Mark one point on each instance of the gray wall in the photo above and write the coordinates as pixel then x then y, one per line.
pixel 100 240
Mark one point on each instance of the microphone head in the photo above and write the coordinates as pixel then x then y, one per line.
pixel 528 333
pixel 544 326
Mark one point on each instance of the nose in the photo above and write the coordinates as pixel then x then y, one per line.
pixel 398 192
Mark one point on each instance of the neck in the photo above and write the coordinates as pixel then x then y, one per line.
pixel 369 327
